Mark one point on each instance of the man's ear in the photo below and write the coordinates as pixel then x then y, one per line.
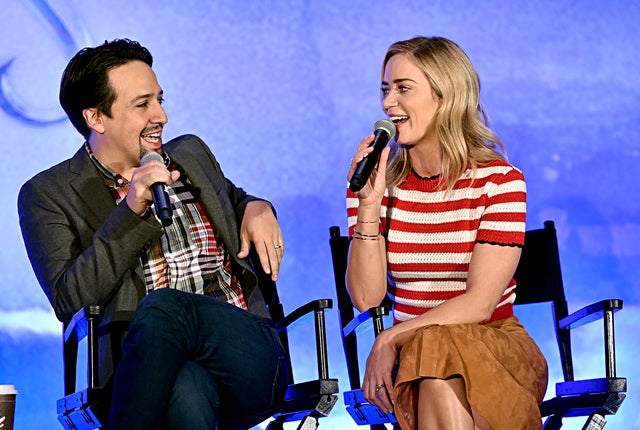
pixel 93 118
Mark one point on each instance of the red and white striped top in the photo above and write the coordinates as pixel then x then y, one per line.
pixel 430 234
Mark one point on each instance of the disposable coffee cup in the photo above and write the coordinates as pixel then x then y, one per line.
pixel 7 406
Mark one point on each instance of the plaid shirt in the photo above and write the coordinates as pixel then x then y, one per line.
pixel 188 257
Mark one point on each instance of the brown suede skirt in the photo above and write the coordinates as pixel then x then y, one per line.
pixel 504 372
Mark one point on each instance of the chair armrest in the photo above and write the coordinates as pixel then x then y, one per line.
pixel 375 314
pixel 78 327
pixel 590 313
pixel 312 306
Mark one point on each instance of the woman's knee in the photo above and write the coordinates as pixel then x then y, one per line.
pixel 442 389
pixel 442 403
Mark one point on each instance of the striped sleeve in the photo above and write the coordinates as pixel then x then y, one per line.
pixel 352 210
pixel 504 218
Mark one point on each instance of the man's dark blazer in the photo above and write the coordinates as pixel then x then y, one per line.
pixel 85 250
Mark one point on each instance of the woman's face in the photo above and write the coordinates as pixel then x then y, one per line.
pixel 408 101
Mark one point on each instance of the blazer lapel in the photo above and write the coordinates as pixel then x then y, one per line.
pixel 92 193
pixel 90 189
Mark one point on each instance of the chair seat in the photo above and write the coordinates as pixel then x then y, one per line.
pixel 315 398
pixel 582 405
pixel 309 388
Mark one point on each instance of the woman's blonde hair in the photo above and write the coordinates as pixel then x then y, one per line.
pixel 461 123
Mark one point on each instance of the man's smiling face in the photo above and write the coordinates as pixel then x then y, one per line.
pixel 137 116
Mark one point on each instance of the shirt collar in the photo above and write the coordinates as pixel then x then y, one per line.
pixel 110 173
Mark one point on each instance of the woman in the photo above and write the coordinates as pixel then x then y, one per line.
pixel 439 228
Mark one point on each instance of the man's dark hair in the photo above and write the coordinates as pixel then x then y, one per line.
pixel 85 81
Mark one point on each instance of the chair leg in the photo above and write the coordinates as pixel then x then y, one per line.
pixel 595 422
pixel 324 406
pixel 276 424
pixel 554 422
pixel 310 422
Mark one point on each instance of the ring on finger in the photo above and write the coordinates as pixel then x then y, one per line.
pixel 379 387
pixel 277 246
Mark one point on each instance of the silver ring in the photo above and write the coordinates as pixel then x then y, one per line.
pixel 277 246
pixel 379 387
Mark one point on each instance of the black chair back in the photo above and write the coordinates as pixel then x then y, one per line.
pixel 539 279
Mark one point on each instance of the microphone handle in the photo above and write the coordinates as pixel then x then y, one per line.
pixel 162 203
pixel 365 166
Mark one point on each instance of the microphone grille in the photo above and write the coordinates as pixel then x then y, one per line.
pixel 387 126
pixel 151 156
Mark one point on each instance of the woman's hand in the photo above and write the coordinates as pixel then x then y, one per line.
pixel 373 190
pixel 378 383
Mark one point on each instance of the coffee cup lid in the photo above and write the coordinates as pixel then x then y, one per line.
pixel 8 389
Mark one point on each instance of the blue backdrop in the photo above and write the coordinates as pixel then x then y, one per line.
pixel 282 91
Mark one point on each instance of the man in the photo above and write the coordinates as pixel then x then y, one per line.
pixel 200 349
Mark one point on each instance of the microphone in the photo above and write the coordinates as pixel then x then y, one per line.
pixel 383 131
pixel 161 200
